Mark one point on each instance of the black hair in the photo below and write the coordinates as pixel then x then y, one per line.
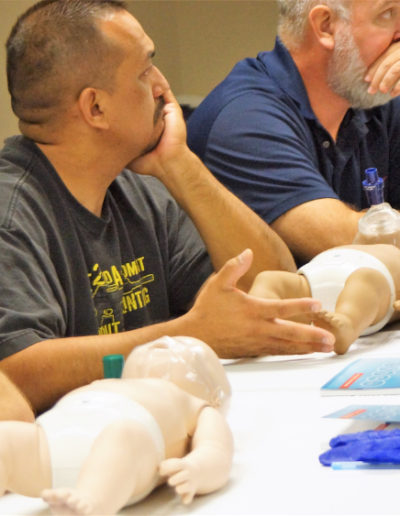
pixel 56 48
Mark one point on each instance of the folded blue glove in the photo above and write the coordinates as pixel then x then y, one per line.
pixel 375 446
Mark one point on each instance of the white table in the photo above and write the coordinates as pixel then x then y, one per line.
pixel 276 418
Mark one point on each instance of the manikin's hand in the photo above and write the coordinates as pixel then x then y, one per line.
pixel 384 74
pixel 236 324
pixel 181 476
pixel 171 146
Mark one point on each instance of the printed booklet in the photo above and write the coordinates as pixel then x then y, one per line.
pixel 367 376
pixel 385 413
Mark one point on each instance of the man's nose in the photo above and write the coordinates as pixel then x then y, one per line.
pixel 160 83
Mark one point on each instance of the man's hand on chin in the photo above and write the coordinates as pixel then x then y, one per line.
pixel 169 145
pixel 384 74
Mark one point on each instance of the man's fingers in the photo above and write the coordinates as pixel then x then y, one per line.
pixel 298 333
pixel 169 96
pixel 384 73
pixel 272 345
pixel 285 308
pixel 234 269
pixel 385 79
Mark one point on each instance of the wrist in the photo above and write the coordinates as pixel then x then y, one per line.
pixel 182 162
pixel 185 176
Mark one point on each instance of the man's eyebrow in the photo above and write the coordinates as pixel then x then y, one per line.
pixel 385 3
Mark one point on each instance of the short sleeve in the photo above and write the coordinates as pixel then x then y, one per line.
pixel 262 149
pixel 31 298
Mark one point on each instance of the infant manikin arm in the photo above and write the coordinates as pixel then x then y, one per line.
pixel 206 468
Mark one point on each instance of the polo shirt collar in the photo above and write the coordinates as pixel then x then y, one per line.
pixel 283 70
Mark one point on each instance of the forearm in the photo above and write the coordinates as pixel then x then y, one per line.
pixel 315 226
pixel 49 369
pixel 233 323
pixel 207 467
pixel 225 223
pixel 212 451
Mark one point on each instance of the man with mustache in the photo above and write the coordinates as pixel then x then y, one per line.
pixel 96 261
pixel 292 131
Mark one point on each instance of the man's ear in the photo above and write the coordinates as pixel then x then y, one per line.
pixel 92 103
pixel 322 20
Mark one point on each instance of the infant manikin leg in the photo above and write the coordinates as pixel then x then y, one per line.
pixel 24 458
pixel 122 463
pixel 363 302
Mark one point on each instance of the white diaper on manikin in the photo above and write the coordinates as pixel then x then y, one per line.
pixel 73 424
pixel 328 272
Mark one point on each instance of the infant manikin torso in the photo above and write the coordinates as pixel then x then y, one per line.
pixel 176 430
pixel 110 443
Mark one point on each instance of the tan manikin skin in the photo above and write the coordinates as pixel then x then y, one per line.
pixel 363 301
pixel 182 384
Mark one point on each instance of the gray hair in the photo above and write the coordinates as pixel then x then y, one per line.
pixel 293 17
pixel 56 49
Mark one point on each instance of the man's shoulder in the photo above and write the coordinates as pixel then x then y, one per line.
pixel 14 170
pixel 248 85
pixel 23 186
pixel 14 159
pixel 251 75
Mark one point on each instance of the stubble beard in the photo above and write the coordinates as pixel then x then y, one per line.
pixel 157 119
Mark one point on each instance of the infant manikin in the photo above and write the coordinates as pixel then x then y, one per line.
pixel 358 286
pixel 110 443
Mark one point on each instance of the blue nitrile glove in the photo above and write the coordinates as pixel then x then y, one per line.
pixel 380 446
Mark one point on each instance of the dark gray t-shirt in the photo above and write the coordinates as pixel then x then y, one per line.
pixel 66 272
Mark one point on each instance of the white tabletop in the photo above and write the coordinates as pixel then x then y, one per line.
pixel 276 415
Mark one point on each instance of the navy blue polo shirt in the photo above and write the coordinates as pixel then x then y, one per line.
pixel 258 134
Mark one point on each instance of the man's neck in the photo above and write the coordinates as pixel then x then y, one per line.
pixel 85 175
pixel 328 107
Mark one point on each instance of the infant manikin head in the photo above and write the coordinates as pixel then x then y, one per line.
pixel 187 362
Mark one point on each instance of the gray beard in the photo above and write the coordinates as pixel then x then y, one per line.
pixel 346 74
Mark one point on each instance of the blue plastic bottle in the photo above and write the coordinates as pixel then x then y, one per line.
pixel 373 187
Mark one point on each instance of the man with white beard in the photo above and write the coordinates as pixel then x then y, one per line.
pixel 292 131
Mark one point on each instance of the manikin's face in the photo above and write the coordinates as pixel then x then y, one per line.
pixel 187 362
pixel 136 113
pixel 374 26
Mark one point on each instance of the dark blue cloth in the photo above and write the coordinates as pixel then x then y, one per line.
pixel 375 446
pixel 258 134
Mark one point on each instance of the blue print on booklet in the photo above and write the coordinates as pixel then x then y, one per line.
pixel 388 413
pixel 368 376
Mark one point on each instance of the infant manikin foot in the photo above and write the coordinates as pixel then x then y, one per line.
pixel 66 501
pixel 338 324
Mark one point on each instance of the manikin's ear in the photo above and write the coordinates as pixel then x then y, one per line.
pixel 92 103
pixel 322 20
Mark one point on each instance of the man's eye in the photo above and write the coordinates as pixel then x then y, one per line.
pixel 147 71
pixel 387 15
